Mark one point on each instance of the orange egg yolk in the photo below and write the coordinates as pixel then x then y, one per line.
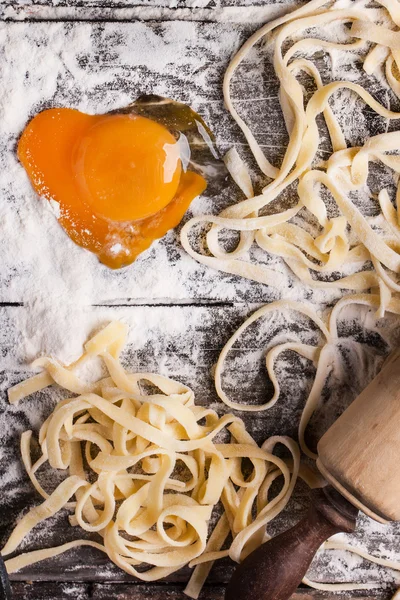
pixel 118 179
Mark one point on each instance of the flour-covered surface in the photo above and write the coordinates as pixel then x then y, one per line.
pixel 184 343
pixel 96 67
pixel 180 313
pixel 123 591
pixel 250 11
pixel 116 4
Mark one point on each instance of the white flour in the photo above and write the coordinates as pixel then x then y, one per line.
pixel 96 68
pixel 82 65
pixel 197 10
pixel 62 64
pixel 40 265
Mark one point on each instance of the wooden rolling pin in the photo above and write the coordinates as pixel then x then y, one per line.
pixel 360 458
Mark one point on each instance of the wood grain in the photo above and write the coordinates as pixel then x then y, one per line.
pixel 101 66
pixel 126 4
pixel 120 591
pixel 211 305
pixel 158 343
pixel 358 453
pixel 247 11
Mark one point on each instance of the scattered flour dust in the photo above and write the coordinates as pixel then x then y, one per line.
pixel 59 282
pixel 53 319
pixel 46 65
pixel 196 10
pixel 58 64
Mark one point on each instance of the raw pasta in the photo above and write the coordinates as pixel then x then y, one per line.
pixel 156 473
pixel 348 241
pixel 323 356
pixel 315 260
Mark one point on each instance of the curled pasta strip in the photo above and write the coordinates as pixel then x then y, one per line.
pixel 384 562
pixel 340 587
pixel 310 352
pixel 144 508
pixel 344 173
pixel 322 355
pixel 156 471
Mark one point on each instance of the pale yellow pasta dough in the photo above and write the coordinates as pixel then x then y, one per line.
pixel 157 473
pixel 323 356
pixel 343 174
pixel 158 468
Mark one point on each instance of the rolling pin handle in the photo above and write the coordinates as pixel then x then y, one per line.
pixel 275 569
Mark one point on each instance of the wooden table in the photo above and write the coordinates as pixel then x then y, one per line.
pixel 211 305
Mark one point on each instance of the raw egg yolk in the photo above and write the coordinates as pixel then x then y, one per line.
pixel 128 167
pixel 118 178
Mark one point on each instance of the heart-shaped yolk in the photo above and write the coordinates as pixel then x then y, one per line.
pixel 118 178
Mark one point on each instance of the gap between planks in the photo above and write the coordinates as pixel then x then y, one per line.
pixel 139 591
pixel 251 14
pixel 163 302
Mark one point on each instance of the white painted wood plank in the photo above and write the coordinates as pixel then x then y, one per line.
pixel 84 7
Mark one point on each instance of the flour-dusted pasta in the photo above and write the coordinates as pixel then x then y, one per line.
pixel 156 473
pixel 157 464
pixel 317 260
pixel 323 356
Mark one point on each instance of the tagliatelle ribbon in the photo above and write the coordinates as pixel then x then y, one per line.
pixel 150 500
pixel 156 472
pixel 330 251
